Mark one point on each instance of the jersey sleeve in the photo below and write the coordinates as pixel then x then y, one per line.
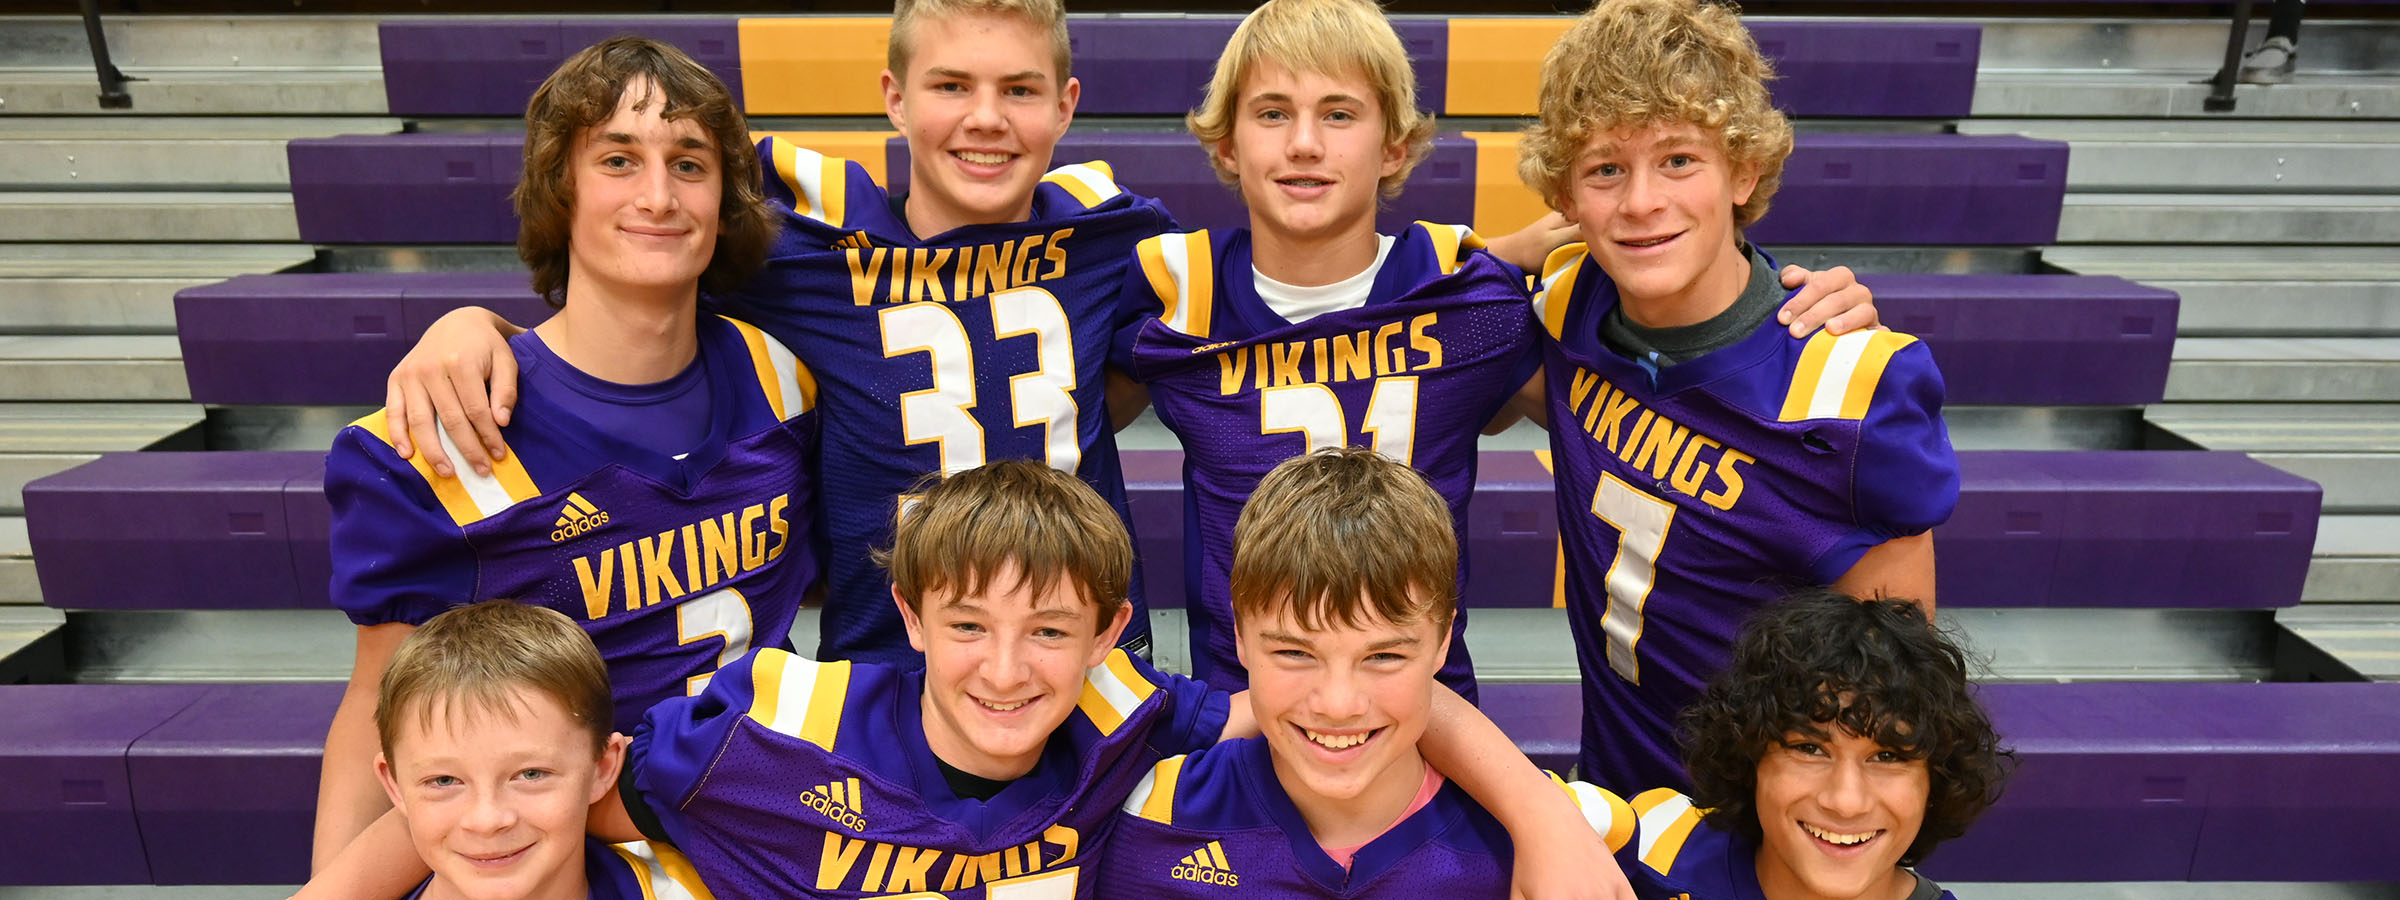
pixel 1194 713
pixel 1137 303
pixel 1906 478
pixel 1665 822
pixel 813 185
pixel 398 555
pixel 679 741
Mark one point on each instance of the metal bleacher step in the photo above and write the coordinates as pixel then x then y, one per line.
pixel 176 153
pixel 120 367
pixel 2363 638
pixel 2229 218
pixel 39 439
pixel 17 582
pixel 181 91
pixel 2353 449
pixel 120 288
pixel 2179 94
pixel 2285 370
pixel 111 216
pixel 2217 155
pixel 2357 560
pixel 2258 291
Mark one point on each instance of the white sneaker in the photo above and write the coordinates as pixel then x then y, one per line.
pixel 2272 62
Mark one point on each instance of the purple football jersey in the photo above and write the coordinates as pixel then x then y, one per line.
pixel 636 871
pixel 1691 495
pixel 1695 859
pixel 788 777
pixel 673 566
pixel 939 354
pixel 1217 824
pixel 1442 341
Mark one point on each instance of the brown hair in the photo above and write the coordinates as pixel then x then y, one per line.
pixel 1632 63
pixel 583 93
pixel 961 531
pixel 1341 535
pixel 1046 15
pixel 477 655
pixel 1325 37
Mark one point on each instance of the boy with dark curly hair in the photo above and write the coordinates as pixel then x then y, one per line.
pixel 1840 747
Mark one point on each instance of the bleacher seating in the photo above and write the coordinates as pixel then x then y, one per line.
pixel 1891 189
pixel 1153 65
pixel 2106 529
pixel 183 784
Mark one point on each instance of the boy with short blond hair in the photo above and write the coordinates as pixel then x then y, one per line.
pixel 1707 461
pixel 503 705
pixel 1343 594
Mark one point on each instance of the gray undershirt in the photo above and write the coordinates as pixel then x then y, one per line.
pixel 1926 889
pixel 1662 347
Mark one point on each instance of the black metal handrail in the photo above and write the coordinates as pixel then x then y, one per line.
pixel 112 82
pixel 2220 91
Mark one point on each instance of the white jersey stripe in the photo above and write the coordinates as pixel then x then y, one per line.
pixel 1656 822
pixel 1834 384
pixel 1174 251
pixel 485 490
pixel 1101 186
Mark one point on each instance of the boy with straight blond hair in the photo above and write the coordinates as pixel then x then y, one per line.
pixel 995 770
pixel 1707 461
pixel 1343 591
pixel 1308 329
pixel 493 720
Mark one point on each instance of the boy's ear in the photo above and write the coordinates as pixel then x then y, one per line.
pixel 1441 651
pixel 909 618
pixel 612 761
pixel 1395 155
pixel 1069 95
pixel 1745 182
pixel 383 774
pixel 1110 631
pixel 891 102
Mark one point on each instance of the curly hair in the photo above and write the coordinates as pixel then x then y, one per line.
pixel 1631 63
pixel 1874 668
pixel 584 92
pixel 1335 38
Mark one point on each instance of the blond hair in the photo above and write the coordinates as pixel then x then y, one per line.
pixel 1045 15
pixel 1346 535
pixel 480 655
pixel 962 531
pixel 1333 38
pixel 1633 63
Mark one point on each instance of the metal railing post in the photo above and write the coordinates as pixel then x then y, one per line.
pixel 2220 92
pixel 112 82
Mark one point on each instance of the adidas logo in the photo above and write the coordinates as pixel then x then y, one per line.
pixel 1206 865
pixel 577 517
pixel 839 801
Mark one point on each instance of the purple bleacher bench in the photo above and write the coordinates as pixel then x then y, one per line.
pixel 1156 65
pixel 67 813
pixel 2142 782
pixel 226 790
pixel 2103 529
pixel 327 339
pixel 330 339
pixel 1896 189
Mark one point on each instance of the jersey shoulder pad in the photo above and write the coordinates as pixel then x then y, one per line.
pixel 467 496
pixel 1836 376
pixel 1115 688
pixel 1181 268
pixel 816 185
pixel 799 697
pixel 1557 287
pixel 661 872
pixel 1154 797
pixel 1450 243
pixel 1666 819
pixel 1091 183
pixel 1609 814
pixel 790 388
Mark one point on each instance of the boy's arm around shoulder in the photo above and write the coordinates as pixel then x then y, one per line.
pixel 1559 855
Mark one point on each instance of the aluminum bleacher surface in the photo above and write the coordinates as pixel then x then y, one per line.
pixel 2158 584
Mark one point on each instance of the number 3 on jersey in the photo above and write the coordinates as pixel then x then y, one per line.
pixel 1312 411
pixel 939 415
pixel 1641 521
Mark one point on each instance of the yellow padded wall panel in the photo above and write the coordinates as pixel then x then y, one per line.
pixel 814 65
pixel 1496 63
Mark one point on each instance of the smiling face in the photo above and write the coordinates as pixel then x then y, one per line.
pixel 497 807
pixel 982 107
pixel 1837 814
pixel 1655 206
pixel 1308 151
pixel 1004 668
pixel 647 192
pixel 1342 707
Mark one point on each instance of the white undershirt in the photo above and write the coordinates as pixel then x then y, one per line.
pixel 1298 304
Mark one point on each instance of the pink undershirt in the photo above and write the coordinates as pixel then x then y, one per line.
pixel 1425 792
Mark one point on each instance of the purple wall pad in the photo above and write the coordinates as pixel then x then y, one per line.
pixel 212 530
pixel 1146 65
pixel 405 188
pixel 324 338
pixel 2066 339
pixel 226 791
pixel 1872 69
pixel 1428 41
pixel 1918 190
pixel 66 800
pixel 2106 529
pixel 490 67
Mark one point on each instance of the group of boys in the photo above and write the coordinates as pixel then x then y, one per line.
pixel 984 727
